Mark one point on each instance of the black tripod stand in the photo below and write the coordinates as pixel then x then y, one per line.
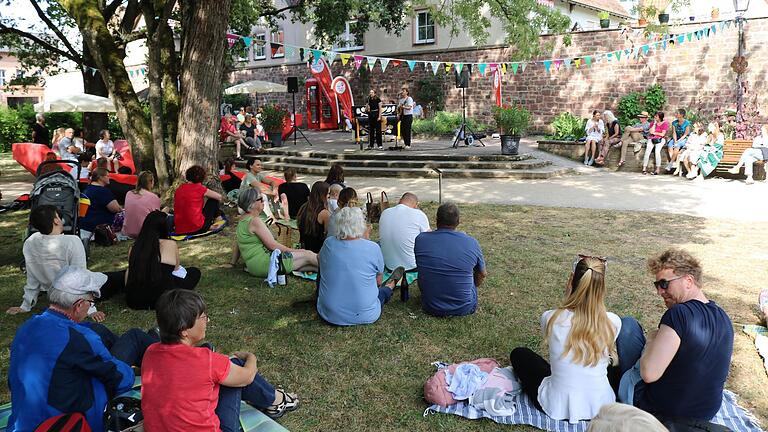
pixel 295 129
pixel 462 133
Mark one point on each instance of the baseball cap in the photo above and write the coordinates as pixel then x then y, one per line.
pixel 643 114
pixel 79 281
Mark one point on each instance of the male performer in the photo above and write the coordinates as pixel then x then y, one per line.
pixel 406 119
pixel 374 120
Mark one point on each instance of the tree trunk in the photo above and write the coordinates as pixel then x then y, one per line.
pixel 109 59
pixel 93 84
pixel 170 63
pixel 205 26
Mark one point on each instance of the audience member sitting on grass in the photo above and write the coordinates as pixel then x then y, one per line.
pixel 49 250
pixel 693 147
pixel 758 152
pixel 186 387
pixel 105 148
pixel 312 219
pixel 347 198
pixel 333 197
pixel 335 175
pixel 581 336
pixel 228 134
pixel 451 266
pixel 398 228
pixel 595 129
pixel 154 265
pixel 256 243
pixel 681 129
pixel 617 417
pixel 637 134
pixel 190 215
pixel 711 154
pixel 139 203
pixel 233 182
pixel 256 179
pixel 656 140
pixel 103 206
pixel 612 139
pixel 292 193
pixel 678 374
pixel 351 290
pixel 59 365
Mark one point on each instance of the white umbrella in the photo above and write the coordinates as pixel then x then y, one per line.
pixel 82 102
pixel 256 86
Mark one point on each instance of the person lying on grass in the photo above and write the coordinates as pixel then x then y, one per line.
pixel 255 242
pixel 581 336
pixel 186 387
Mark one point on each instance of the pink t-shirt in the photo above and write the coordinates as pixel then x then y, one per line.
pixel 137 207
pixel 180 388
pixel 661 129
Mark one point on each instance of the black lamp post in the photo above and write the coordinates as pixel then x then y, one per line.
pixel 739 63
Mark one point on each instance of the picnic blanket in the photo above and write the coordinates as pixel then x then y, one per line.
pixel 760 335
pixel 410 277
pixel 730 415
pixel 219 224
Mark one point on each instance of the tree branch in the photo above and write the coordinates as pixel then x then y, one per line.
pixel 276 12
pixel 10 30
pixel 137 35
pixel 110 10
pixel 53 27
pixel 132 11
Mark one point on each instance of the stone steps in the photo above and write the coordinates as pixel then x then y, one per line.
pixel 399 161
pixel 383 154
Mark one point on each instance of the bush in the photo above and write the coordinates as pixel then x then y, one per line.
pixel 652 100
pixel 429 90
pixel 444 123
pixel 15 126
pixel 512 120
pixel 568 127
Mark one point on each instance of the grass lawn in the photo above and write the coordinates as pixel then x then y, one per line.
pixel 370 378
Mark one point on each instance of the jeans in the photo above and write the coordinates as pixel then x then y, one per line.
pixel 405 128
pixel 680 143
pixel 129 347
pixel 374 129
pixel 748 159
pixel 531 369
pixel 259 394
pixel 384 295
pixel 629 344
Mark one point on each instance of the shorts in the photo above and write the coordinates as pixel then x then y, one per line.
pixel 677 144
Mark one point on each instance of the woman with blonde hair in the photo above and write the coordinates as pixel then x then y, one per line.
pixel 618 417
pixel 581 336
pixel 612 139
pixel 711 153
pixel 58 134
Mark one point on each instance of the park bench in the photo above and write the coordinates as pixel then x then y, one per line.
pixel 732 150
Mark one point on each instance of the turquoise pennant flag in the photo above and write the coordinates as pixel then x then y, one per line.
pixel 547 64
pixel 330 56
pixel 587 60
pixel 411 64
pixel 689 36
pixel 290 51
pixel 514 68
pixel 681 39
pixel 618 55
pixel 713 29
pixel 567 63
pixel 481 68
pixel 522 67
pixel 458 67
pixel 371 62
pixel 664 44
pixel 317 54
pixel 384 62
pixel 247 41
pixel 435 66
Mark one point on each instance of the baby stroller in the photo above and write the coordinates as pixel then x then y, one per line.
pixel 60 189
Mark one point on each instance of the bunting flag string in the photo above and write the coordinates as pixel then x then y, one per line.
pixel 411 64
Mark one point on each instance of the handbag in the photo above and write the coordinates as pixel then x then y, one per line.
pixel 372 209
pixel 384 201
pixel 104 235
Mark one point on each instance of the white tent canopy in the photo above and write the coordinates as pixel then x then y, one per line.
pixel 82 102
pixel 256 86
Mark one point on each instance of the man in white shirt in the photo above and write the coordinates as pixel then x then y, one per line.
pixel 398 228
pixel 406 119
pixel 46 252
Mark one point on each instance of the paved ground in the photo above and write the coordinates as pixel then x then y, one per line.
pixel 590 188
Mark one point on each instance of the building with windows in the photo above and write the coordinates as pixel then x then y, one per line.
pixel 14 95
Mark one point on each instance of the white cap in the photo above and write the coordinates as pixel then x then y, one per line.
pixel 79 281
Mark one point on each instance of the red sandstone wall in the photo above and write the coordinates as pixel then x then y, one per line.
pixel 695 74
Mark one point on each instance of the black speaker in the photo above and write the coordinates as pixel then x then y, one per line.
pixel 462 79
pixel 293 84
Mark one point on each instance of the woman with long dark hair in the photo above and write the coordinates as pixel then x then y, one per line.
pixel 312 218
pixel 335 176
pixel 153 265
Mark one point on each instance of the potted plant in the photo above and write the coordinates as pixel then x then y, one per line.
pixel 663 17
pixel 512 122
pixel 715 13
pixel 605 22
pixel 273 119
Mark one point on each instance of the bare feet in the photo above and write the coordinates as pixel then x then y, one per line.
pixel 15 310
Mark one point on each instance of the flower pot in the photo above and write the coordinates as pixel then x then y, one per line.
pixel 715 14
pixel 276 137
pixel 510 144
pixel 642 22
pixel 692 18
pixel 605 23
pixel 663 18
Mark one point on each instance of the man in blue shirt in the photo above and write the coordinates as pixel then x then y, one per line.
pixel 681 128
pixel 450 265
pixel 59 365
pixel 683 365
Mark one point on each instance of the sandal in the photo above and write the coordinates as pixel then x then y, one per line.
pixel 621 164
pixel 290 403
pixel 645 172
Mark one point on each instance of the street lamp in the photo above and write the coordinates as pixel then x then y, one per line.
pixel 739 63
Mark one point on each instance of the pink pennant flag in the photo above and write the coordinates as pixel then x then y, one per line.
pixel 358 61
pixel 232 39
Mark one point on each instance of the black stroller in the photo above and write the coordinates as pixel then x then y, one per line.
pixel 60 189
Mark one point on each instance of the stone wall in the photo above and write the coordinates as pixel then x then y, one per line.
pixel 696 74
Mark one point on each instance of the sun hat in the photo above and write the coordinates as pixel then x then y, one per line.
pixel 643 114
pixel 79 281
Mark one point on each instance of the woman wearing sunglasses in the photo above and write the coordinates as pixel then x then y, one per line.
pixel 581 336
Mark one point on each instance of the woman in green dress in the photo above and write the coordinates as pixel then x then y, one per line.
pixel 255 241
pixel 713 150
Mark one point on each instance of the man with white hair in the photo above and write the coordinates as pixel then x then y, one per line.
pixel 40 134
pixel 79 367
pixel 68 149
pixel 398 228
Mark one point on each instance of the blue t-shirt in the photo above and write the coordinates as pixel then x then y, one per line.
pixel 98 213
pixel 692 385
pixel 348 292
pixel 446 260
pixel 680 127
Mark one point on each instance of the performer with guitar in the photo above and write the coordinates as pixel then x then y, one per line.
pixel 405 110
pixel 374 120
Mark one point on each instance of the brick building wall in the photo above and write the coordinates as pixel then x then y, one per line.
pixel 695 74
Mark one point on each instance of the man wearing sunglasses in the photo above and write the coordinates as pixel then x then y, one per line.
pixel 679 372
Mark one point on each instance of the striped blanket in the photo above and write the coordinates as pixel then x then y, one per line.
pixel 730 415
pixel 219 224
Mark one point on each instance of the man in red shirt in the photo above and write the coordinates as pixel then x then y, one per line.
pixel 187 388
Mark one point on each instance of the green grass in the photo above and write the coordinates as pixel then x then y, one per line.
pixel 370 378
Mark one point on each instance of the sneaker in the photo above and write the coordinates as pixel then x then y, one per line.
pixel 407 147
pixel 239 158
pixel 734 170
pixel 381 147
pixel 396 275
pixel 290 403
pixel 749 180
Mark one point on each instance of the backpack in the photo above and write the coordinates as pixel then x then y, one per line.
pixel 123 414
pixel 104 235
pixel 74 422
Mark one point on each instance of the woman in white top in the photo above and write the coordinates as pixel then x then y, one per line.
pixel 581 336
pixel 693 148
pixel 105 148
pixel 595 129
pixel 758 152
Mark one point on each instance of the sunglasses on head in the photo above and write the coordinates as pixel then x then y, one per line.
pixel 664 283
pixel 580 257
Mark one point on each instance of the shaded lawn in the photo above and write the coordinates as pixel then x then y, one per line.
pixel 371 377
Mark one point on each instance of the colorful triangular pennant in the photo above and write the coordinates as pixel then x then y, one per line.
pixel 345 59
pixel 383 62
pixel 459 67
pixel 358 61
pixel 411 64
pixel 481 68
pixel 514 68
pixel 547 65
pixel 330 56
pixel 372 62
pixel 567 63
pixel 317 54
pixel 435 66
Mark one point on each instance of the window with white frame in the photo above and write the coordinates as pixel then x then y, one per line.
pixel 2 77
pixel 259 46
pixel 278 37
pixel 351 39
pixel 425 28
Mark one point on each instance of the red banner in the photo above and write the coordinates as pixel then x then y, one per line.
pixel 497 86
pixel 322 73
pixel 343 91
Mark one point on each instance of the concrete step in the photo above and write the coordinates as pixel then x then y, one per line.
pixel 399 161
pixel 355 154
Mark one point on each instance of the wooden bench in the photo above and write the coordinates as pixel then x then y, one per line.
pixel 732 151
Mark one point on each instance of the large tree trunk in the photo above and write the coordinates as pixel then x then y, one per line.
pixel 109 59
pixel 93 84
pixel 205 26
pixel 171 97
